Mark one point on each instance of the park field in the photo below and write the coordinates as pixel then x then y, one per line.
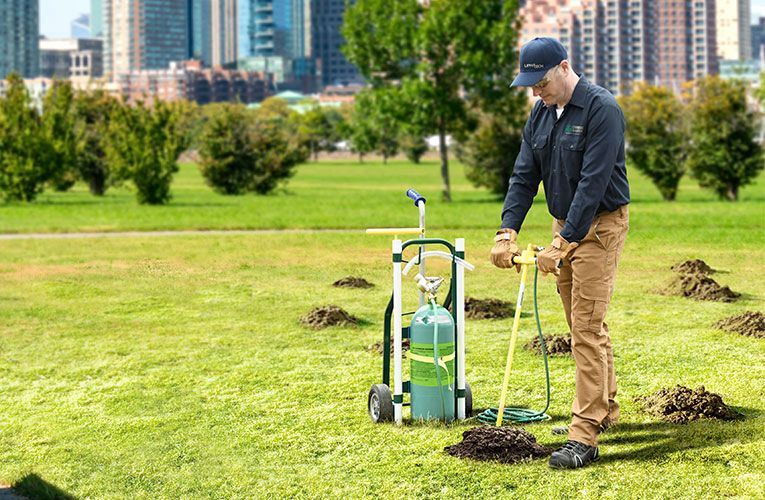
pixel 175 366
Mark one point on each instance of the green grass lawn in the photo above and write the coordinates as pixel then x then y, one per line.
pixel 176 367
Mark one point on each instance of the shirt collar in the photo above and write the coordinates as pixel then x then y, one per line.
pixel 578 97
pixel 580 92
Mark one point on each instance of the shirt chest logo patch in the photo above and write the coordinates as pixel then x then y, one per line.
pixel 574 129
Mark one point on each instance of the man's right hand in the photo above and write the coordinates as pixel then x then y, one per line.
pixel 505 249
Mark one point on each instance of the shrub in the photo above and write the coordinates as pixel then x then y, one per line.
pixel 24 154
pixel 724 154
pixel 657 136
pixel 144 145
pixel 244 152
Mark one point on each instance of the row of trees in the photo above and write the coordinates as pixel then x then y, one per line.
pixel 90 137
pixel 710 131
pixel 102 141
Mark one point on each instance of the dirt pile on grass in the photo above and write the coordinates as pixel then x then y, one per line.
pixel 378 346
pixel 693 266
pixel 325 316
pixel 700 287
pixel 352 282
pixel 488 308
pixel 680 405
pixel 750 324
pixel 557 345
pixel 504 444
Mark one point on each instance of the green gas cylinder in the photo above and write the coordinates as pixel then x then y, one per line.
pixel 429 399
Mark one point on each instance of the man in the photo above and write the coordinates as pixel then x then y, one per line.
pixel 573 142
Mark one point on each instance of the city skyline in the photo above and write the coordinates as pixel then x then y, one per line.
pixel 56 16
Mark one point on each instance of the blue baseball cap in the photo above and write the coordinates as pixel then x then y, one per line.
pixel 538 56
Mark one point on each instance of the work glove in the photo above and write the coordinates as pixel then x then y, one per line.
pixel 505 249
pixel 549 258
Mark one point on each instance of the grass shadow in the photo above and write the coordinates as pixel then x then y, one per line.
pixel 33 486
pixel 665 438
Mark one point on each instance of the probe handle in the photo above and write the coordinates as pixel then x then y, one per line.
pixel 414 195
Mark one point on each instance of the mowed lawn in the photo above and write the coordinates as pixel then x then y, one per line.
pixel 176 366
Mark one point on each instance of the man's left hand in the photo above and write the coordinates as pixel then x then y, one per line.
pixel 549 258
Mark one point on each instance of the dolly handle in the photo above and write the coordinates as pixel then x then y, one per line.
pixel 414 195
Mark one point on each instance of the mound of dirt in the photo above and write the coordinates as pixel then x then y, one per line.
pixel 700 287
pixel 680 405
pixel 750 323
pixel 693 266
pixel 557 345
pixel 504 444
pixel 488 308
pixel 325 316
pixel 352 282
pixel 378 346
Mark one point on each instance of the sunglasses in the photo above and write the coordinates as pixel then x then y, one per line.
pixel 545 80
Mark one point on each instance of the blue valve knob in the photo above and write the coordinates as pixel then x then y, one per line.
pixel 411 193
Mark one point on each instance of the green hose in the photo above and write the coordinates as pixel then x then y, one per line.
pixel 436 355
pixel 524 415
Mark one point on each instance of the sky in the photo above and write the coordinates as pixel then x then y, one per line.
pixel 56 15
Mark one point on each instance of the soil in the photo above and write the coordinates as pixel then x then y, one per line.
pixel 377 346
pixel 488 308
pixel 750 324
pixel 352 282
pixel 557 345
pixel 693 266
pixel 325 316
pixel 700 287
pixel 503 444
pixel 680 405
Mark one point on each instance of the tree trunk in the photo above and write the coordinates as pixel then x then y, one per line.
pixel 732 193
pixel 97 185
pixel 314 152
pixel 361 157
pixel 385 158
pixel 447 192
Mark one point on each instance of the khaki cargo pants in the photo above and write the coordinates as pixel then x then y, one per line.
pixel 585 284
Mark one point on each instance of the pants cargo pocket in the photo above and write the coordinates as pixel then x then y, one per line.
pixel 591 305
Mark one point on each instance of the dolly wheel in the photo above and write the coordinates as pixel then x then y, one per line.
pixel 380 403
pixel 468 401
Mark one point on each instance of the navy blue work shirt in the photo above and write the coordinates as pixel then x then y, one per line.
pixel 579 158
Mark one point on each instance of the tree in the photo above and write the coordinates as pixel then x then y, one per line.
pixel 724 155
pixel 241 151
pixel 489 152
pixel 228 159
pixel 321 128
pixel 144 146
pixel 278 151
pixel 413 145
pixel 24 150
pixel 375 121
pixel 442 56
pixel 657 136
pixel 92 111
pixel 58 120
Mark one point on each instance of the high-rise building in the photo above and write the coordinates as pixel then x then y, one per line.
pixel 80 27
pixel 758 42
pixel 299 37
pixel 326 18
pixel 616 43
pixel 733 32
pixel 19 33
pixel 97 18
pixel 144 34
pixel 200 28
pixel 224 31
